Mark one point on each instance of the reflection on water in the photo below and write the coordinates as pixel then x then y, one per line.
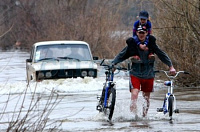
pixel 141 124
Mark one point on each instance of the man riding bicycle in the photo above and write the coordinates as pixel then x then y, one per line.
pixel 142 72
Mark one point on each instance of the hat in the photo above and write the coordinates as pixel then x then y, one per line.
pixel 144 15
pixel 142 28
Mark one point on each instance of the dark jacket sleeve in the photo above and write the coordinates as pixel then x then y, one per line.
pixel 161 54
pixel 128 51
pixel 123 55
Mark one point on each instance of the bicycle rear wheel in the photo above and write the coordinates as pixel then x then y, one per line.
pixel 170 107
pixel 110 103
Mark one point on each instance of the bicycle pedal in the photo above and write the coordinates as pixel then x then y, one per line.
pixel 99 108
pixel 176 111
pixel 159 109
pixel 98 97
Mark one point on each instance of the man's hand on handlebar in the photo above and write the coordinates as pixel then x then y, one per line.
pixel 113 67
pixel 172 71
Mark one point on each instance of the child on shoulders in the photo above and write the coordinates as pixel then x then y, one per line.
pixel 143 21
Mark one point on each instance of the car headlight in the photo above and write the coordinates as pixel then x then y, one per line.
pixel 40 75
pixel 48 74
pixel 91 73
pixel 84 73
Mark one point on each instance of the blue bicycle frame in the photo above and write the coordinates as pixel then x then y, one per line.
pixel 109 79
pixel 107 99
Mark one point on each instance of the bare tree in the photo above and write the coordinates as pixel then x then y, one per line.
pixel 32 116
pixel 178 31
pixel 96 22
pixel 102 24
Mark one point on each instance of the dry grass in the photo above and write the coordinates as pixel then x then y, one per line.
pixel 178 32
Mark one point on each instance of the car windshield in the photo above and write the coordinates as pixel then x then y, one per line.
pixel 77 52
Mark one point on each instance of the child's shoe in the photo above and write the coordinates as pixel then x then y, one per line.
pixel 151 56
pixel 135 59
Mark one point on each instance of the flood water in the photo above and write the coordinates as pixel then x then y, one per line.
pixel 71 103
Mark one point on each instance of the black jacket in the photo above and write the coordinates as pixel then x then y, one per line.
pixel 143 69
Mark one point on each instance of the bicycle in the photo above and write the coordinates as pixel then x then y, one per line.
pixel 169 104
pixel 107 99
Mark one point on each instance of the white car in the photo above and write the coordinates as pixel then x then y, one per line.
pixel 60 59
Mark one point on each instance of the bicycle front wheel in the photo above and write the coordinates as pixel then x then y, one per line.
pixel 110 103
pixel 170 106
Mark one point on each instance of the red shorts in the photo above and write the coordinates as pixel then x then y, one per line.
pixel 145 85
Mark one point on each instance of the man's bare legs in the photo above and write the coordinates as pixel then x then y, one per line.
pixel 146 105
pixel 134 96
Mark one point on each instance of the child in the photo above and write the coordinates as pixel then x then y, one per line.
pixel 143 21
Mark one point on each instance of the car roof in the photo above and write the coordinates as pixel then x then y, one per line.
pixel 60 42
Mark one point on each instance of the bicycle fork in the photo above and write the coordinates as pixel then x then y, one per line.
pixel 165 107
pixel 109 85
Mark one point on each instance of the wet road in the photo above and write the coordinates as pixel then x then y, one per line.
pixel 90 120
pixel 75 105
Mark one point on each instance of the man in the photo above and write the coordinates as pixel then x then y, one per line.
pixel 142 72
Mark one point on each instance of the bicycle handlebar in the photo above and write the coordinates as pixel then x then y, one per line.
pixel 112 66
pixel 102 62
pixel 172 76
